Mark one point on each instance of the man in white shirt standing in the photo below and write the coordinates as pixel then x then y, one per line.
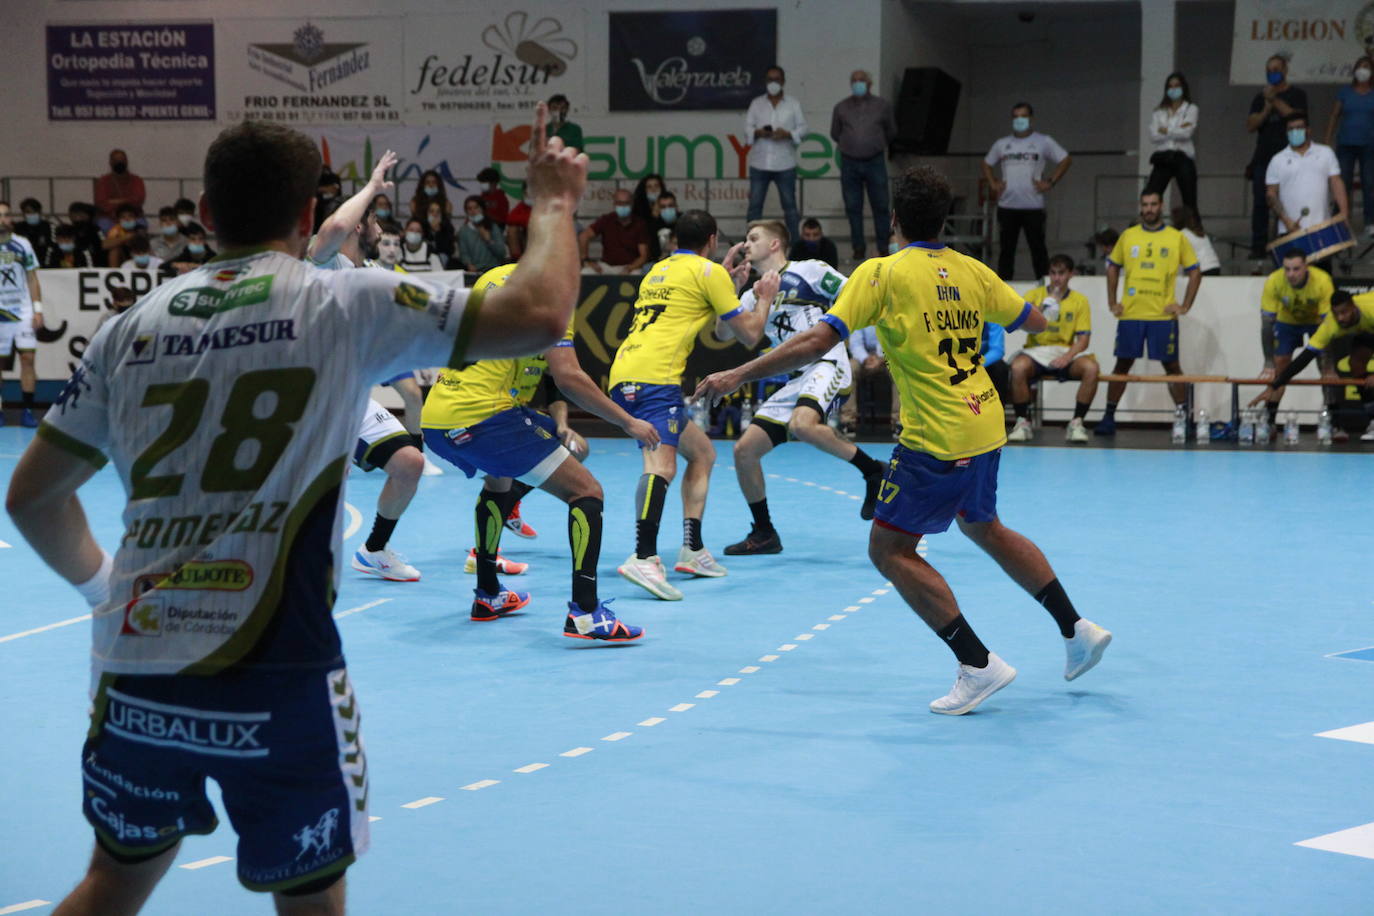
pixel 775 126
pixel 1020 192
pixel 1303 180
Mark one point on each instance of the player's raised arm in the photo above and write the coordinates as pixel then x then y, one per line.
pixel 531 312
pixel 336 227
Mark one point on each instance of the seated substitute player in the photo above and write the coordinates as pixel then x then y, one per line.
pixel 1060 351
pixel 21 309
pixel 215 653
pixel 802 294
pixel 474 419
pixel 1350 316
pixel 1295 301
pixel 678 298
pixel 1151 254
pixel 929 304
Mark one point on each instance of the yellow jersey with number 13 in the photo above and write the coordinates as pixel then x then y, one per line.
pixel 929 304
pixel 678 297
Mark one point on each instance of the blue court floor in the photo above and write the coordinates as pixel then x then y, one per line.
pixel 767 747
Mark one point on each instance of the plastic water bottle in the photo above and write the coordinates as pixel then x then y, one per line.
pixel 1180 430
pixel 699 413
pixel 1324 427
pixel 1290 429
pixel 1263 431
pixel 746 414
pixel 1204 429
pixel 1247 428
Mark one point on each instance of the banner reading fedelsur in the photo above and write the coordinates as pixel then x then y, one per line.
pixel 150 71
pixel 690 60
pixel 1322 39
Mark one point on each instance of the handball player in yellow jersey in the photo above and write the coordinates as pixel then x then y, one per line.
pixel 929 305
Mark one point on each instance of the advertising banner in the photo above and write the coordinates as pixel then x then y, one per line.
pixel 456 153
pixel 152 71
pixel 690 61
pixel 1321 38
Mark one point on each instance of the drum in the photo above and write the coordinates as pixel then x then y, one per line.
pixel 1316 242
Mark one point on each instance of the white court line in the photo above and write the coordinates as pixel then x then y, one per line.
pixel 823 626
pixel 362 607
pixel 423 802
pixel 481 784
pixel 835 617
pixel 681 707
pixel 707 694
pixel 355 521
pixel 1347 652
pixel 652 721
pixel 617 736
pixel 727 682
pixel 372 818
pixel 786 647
pixel 841 493
pixel 576 752
pixel 880 591
pixel 851 609
pixel 21 907
pixel 790 479
pixel 3 545
pixel 1357 841
pixel 44 629
pixel 1364 734
pixel 749 669
pixel 768 658
pixel 206 863
pixel 803 637
pixel 530 768
pixel 865 600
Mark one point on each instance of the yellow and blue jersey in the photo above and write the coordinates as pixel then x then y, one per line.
pixel 1150 260
pixel 929 305
pixel 1329 329
pixel 1306 304
pixel 1075 318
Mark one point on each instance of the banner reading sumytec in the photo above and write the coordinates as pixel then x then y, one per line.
pixel 150 71
pixel 1321 38
pixel 690 61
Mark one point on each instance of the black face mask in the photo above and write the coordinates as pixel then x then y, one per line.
pixel 119 167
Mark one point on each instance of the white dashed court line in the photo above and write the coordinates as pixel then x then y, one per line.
pixel 3 545
pixel 786 647
pixel 372 818
pixel 865 600
pixel 617 736
pixel 1364 734
pixel 355 521
pixel 822 626
pixel 44 629
pixel 707 694
pixel 791 480
pixel 577 752
pixel 727 682
pixel 362 607
pixel 768 658
pixel 835 617
pixel 652 721
pixel 1357 841
pixel 803 637
pixel 851 609
pixel 681 707
pixel 530 768
pixel 26 905
pixel 481 784
pixel 880 591
pixel 206 863
pixel 423 802
pixel 749 669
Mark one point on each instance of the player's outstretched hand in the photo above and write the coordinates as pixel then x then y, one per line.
pixel 642 432
pixel 717 385
pixel 554 170
pixel 1260 398
pixel 736 265
pixel 379 182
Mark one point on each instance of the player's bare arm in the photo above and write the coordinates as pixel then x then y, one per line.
pixel 35 296
pixel 802 350
pixel 747 327
pixel 335 229
pixel 570 378
pixel 42 502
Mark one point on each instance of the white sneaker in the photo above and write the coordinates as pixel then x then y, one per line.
pixel 1076 431
pixel 698 563
pixel 1085 647
pixel 973 686
pixel 1368 433
pixel 1021 432
pixel 648 574
pixel 432 469
pixel 385 564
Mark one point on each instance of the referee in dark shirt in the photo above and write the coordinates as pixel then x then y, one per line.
pixel 862 125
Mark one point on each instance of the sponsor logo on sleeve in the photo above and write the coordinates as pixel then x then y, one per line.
pixel 411 296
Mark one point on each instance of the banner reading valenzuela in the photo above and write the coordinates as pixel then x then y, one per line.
pixel 131 72
pixel 690 61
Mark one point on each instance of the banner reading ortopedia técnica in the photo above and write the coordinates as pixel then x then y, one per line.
pixel 131 72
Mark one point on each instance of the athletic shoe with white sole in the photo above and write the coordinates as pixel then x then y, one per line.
pixel 1021 432
pixel 1368 435
pixel 432 469
pixel 491 607
pixel 516 525
pixel 1084 648
pixel 385 564
pixel 698 563
pixel 648 574
pixel 598 624
pixel 503 566
pixel 973 686
pixel 1076 431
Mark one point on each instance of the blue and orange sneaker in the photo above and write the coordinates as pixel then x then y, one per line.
pixel 598 624
pixel 491 607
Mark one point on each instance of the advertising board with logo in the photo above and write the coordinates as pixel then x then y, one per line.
pixel 690 61
pixel 311 70
pixel 506 62
pixel 151 71
pixel 1321 38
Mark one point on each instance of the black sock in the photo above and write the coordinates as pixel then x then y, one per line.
pixel 649 497
pixel 1055 600
pixel 763 522
pixel 584 536
pixel 28 399
pixel 519 490
pixel 691 533
pixel 1273 409
pixel 964 643
pixel 1110 411
pixel 417 440
pixel 1080 410
pixel 866 463
pixel 382 527
pixel 1021 410
pixel 492 509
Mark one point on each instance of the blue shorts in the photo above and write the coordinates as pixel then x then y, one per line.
pixel 1288 338
pixel 283 745
pixel 921 494
pixel 663 406
pixel 1162 336
pixel 518 442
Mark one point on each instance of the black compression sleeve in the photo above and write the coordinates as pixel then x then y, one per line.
pixel 1298 364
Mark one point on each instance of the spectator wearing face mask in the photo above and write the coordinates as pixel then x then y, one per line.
pixel 141 255
pixel 645 204
pixel 1274 103
pixel 813 245
pixel 167 241
pixel 560 126
pixel 1020 191
pixel 117 188
pixel 775 127
pixel 430 187
pixel 493 198
pixel 439 232
pixel 65 254
pixel 416 256
pixel 862 125
pixel 383 209
pixel 624 239
pixel 186 216
pixel 32 226
pixel 664 215
pixel 480 243
pixel 328 196
pixel 197 253
pixel 1354 143
pixel 1171 134
pixel 1303 180
pixel 86 233
pixel 116 243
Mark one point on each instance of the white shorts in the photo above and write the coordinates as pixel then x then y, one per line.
pixel 379 426
pixel 822 383
pixel 1046 354
pixel 18 335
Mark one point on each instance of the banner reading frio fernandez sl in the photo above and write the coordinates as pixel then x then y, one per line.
pixel 690 61
pixel 152 71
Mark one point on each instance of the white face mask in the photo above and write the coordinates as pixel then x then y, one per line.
pixel 1362 74
pixel 1020 125
pixel 475 219
pixel 413 238
pixel 774 88
pixel 184 219
pixel 169 230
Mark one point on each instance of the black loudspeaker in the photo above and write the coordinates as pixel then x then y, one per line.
pixel 925 111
